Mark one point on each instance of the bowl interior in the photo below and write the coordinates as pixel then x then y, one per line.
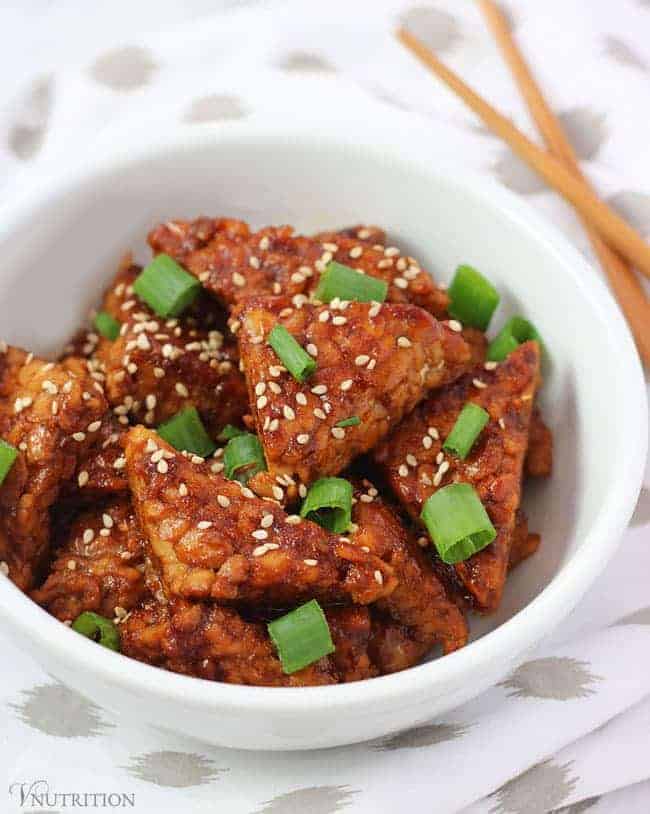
pixel 56 263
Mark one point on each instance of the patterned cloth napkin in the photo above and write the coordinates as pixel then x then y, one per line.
pixel 569 729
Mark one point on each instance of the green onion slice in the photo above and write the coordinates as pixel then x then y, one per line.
pixel 349 284
pixel 457 522
pixel 473 298
pixel 466 430
pixel 516 331
pixel 166 287
pixel 230 431
pixel 185 431
pixel 243 457
pixel 98 628
pixel 296 360
pixel 107 325
pixel 8 455
pixel 329 503
pixel 301 637
pixel 353 421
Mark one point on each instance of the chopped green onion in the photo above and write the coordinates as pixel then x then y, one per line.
pixel 329 503
pixel 185 431
pixel 98 628
pixel 466 430
pixel 349 284
pixel 166 287
pixel 8 455
pixel 457 522
pixel 107 325
pixel 301 637
pixel 353 421
pixel 243 457
pixel 473 298
pixel 230 431
pixel 516 331
pixel 296 360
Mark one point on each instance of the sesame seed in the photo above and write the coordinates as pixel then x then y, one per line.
pixel 403 342
pixel 502 423
pixel 323 316
pixel 440 457
pixel 260 551
pixel 366 498
pixel 301 398
pixel 158 372
pixel 246 492
pixel 371 364
pixel 275 423
pixel 181 389
pixel 478 383
pixel 433 432
pixel 107 520
pixel 119 463
pixel 238 279
pixel 356 252
pixel 4 568
pixel 302 490
pixel 411 460
pixel 162 467
pixel 254 262
pixel 338 433
pixel 94 426
pixel 403 470
pixel 83 478
pixel 319 413
pixel 437 478
pixel 182 490
pixel 262 401
pixel 275 371
pixel 297 277
pixel 361 360
pixel 88 536
pixel 427 442
pixel 455 325
pixel 204 524
pixel 400 282
pixel 267 521
pixel 423 542
pixel 444 467
pixel 319 389
pixel 339 320
pixel 375 308
pixel 264 243
pixel 491 365
pixel 79 436
pixel 223 501
pixel 303 438
pixel 346 384
pixel 142 342
pixel 294 519
pixel 311 349
pixel 260 534
pixel 288 412
pixel 379 578
pixel 277 493
pixel 386 263
pixel 391 251
pixel 260 387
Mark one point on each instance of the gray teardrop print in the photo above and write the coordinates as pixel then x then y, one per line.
pixel 557 677
pixel 538 790
pixel 27 134
pixel 634 207
pixel 314 799
pixel 177 770
pixel 578 808
pixel 215 108
pixel 124 69
pixel 637 617
pixel 623 53
pixel 517 176
pixel 306 62
pixel 641 514
pixel 438 29
pixel 586 129
pixel 422 736
pixel 59 711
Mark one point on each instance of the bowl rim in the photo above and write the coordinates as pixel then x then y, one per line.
pixel 512 637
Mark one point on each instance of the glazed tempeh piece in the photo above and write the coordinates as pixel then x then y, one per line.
pixel 419 606
pixel 52 415
pixel 276 261
pixel 416 466
pixel 100 471
pixel 212 642
pixel 524 542
pixel 213 538
pixel 374 362
pixel 539 457
pixel 157 367
pixel 99 567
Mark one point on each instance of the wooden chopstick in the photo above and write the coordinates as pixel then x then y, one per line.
pixel 609 224
pixel 625 284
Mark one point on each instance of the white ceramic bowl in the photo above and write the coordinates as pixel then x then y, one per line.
pixel 60 246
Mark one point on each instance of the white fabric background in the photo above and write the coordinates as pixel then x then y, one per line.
pixel 571 727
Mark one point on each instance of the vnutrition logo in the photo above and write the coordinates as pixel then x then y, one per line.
pixel 37 793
